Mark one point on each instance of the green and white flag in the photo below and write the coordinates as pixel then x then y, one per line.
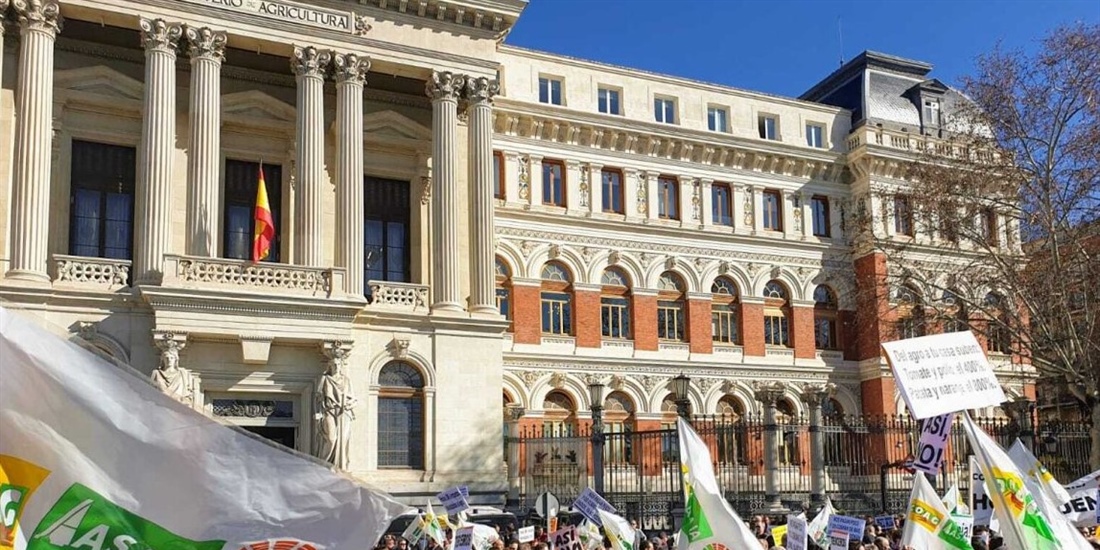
pixel 618 531
pixel 708 518
pixel 952 500
pixel 818 529
pixel 928 524
pixel 590 536
pixel 1049 495
pixel 1023 525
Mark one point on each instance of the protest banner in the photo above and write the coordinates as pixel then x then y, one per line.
pixel 453 500
pixel 966 523
pixel 886 522
pixel 526 534
pixel 981 506
pixel 853 526
pixel 464 538
pixel 796 533
pixel 1081 508
pixel 838 540
pixel 943 373
pixel 588 502
pixel 566 539
pixel 933 443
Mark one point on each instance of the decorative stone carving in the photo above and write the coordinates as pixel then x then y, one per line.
pixel 204 42
pixel 524 177
pixel 92 271
pixel 38 14
pixel 768 393
pixel 158 34
pixel 651 383
pixel 614 257
pixel 482 90
pixel 407 296
pixel 670 262
pixel 588 253
pixel 696 200
pixel 444 85
pixel 643 198
pixel 531 376
pixel 362 27
pixel 747 206
pixel 557 380
pixel 399 347
pixel 425 189
pixel 584 186
pixel 723 267
pixel 169 377
pixel 555 251
pixel 350 67
pixel 797 214
pixel 729 387
pixel 813 395
pixel 593 378
pixel 309 61
pixel 335 406
pixel 617 382
pixel 236 273
pixel 527 247
pixel 776 271
pixel 706 384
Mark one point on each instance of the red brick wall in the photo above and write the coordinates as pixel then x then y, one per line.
pixel 878 396
pixel 586 316
pixel 845 328
pixel 526 314
pixel 752 329
pixel 699 329
pixel 873 315
pixel 644 322
pixel 802 332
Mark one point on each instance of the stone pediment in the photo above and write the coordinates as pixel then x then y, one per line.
pixel 389 126
pixel 99 80
pixel 258 106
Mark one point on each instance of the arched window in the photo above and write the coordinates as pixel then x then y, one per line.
pixel 557 300
pixel 400 417
pixel 955 318
pixel 724 322
pixel 832 413
pixel 504 289
pixel 670 444
pixel 559 416
pixel 618 426
pixel 732 432
pixel 777 315
pixel 998 336
pixel 910 313
pixel 787 420
pixel 670 307
pixel 825 315
pixel 615 304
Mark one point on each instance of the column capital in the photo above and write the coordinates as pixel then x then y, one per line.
pixel 160 35
pixel 482 90
pixel 768 393
pixel 336 352
pixel 350 68
pixel 38 15
pixel 205 43
pixel 169 342
pixel 816 394
pixel 444 86
pixel 309 61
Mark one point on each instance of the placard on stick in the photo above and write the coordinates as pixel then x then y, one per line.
pixel 933 443
pixel 566 539
pixel 943 373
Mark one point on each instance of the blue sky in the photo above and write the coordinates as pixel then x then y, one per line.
pixel 785 46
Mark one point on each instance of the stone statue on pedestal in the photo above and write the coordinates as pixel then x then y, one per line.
pixel 169 377
pixel 335 408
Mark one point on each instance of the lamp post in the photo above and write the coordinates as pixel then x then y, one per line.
pixel 680 386
pixel 595 395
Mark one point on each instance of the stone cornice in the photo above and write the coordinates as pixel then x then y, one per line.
pixel 694 368
pixel 663 142
pixel 480 18
pixel 246 304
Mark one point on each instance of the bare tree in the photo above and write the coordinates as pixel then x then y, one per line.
pixel 1006 205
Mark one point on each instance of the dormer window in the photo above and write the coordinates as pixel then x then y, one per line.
pixel 930 114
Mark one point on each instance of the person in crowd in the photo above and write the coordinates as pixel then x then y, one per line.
pixel 639 534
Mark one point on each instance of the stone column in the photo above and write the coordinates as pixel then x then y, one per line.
pixel 791 215
pixel 309 65
pixel 689 202
pixel 3 11
pixel 595 189
pixel 39 23
pixel 480 93
pixel 805 206
pixel 153 230
pixel 769 394
pixel 754 202
pixel 512 414
pixel 814 395
pixel 444 88
pixel 351 72
pixel 706 203
pixel 207 49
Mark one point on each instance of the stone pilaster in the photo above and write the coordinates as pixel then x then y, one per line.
pixel 814 395
pixel 444 88
pixel 39 23
pixel 351 71
pixel 769 394
pixel 153 230
pixel 480 93
pixel 207 50
pixel 706 202
pixel 309 65
pixel 3 12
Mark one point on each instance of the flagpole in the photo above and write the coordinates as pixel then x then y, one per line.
pixel 997 495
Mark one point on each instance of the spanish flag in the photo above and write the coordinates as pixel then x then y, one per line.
pixel 264 233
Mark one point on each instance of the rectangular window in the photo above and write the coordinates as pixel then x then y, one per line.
pixel 815 134
pixel 670 320
pixel 769 127
pixel 557 316
pixel 386 230
pixel 498 174
pixel 717 119
pixel 664 110
pixel 615 317
pixel 903 216
pixel 101 202
pixel 609 101
pixel 549 90
pixel 668 198
pixel 553 182
pixel 504 302
pixel 612 187
pixel 775 330
pixel 931 112
pixel 721 204
pixel 723 324
pixel 819 210
pixel 989 226
pixel 401 432
pixel 242 180
pixel 825 333
pixel 773 210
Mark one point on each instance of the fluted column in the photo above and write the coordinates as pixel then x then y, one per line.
pixel 769 394
pixel 309 66
pixel 351 72
pixel 207 49
pixel 39 23
pixel 480 93
pixel 3 12
pixel 814 396
pixel 158 133
pixel 444 88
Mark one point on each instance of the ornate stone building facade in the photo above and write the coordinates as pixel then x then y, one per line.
pixel 453 216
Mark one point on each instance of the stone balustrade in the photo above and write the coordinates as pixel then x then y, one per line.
pixel 229 274
pixel 91 273
pixel 914 142
pixel 408 297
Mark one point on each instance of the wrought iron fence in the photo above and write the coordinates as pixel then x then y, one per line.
pixel 862 463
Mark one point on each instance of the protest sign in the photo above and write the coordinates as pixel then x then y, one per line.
pixel 778 532
pixel 796 533
pixel 980 503
pixel 886 522
pixel 838 540
pixel 415 530
pixel 943 373
pixel 526 534
pixel 933 443
pixel 464 538
pixel 588 502
pixel 453 500
pixel 853 526
pixel 566 539
pixel 1081 508
pixel 966 523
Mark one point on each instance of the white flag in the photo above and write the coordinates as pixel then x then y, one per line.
pixel 1046 492
pixel 928 524
pixel 102 459
pixel 618 530
pixel 952 500
pixel 708 517
pixel 818 529
pixel 1030 466
pixel 1081 508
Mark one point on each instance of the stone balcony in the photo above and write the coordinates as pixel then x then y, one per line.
pixel 404 297
pixel 95 274
pixel 241 275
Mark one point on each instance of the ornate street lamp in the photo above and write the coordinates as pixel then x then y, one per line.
pixel 680 386
pixel 595 396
